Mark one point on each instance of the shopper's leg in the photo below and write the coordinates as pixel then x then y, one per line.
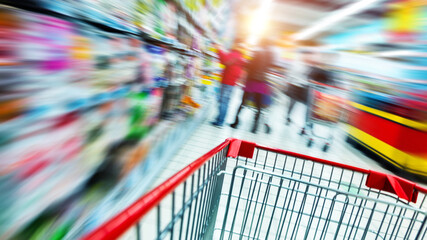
pixel 219 93
pixel 226 94
pixel 267 102
pixel 258 103
pixel 236 120
pixel 291 106
pixel 308 126
pixel 220 102
pixel 307 103
pixel 307 123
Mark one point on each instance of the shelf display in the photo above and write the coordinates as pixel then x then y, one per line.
pixel 387 112
pixel 85 85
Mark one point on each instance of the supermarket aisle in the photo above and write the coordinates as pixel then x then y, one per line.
pixel 207 136
pixel 285 137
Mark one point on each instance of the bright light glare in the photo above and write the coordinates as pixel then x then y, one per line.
pixel 258 28
pixel 259 22
pixel 334 17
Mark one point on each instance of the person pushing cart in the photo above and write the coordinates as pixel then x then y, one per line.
pixel 319 92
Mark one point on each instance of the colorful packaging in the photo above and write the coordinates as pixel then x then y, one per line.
pixel 158 63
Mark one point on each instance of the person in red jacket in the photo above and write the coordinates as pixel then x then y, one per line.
pixel 233 62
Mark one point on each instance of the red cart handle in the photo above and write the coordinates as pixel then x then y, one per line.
pixel 401 187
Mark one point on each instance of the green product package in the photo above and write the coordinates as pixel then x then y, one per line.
pixel 138 114
pixel 159 28
pixel 61 231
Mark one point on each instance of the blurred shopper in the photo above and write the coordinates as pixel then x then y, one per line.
pixel 257 88
pixel 320 69
pixel 297 90
pixel 312 68
pixel 233 62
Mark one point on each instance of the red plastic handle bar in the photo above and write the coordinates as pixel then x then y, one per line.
pixel 314 159
pixel 119 224
pixel 401 187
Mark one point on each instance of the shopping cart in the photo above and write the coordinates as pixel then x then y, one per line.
pixel 242 190
pixel 325 106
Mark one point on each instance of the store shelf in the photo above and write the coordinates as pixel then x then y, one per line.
pixel 107 24
pixel 387 134
pixel 193 21
pixel 41 199
pixel 169 137
pixel 62 108
pixel 83 99
pixel 111 25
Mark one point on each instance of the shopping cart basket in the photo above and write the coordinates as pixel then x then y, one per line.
pixel 324 107
pixel 242 190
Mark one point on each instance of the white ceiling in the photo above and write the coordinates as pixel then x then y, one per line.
pixel 294 15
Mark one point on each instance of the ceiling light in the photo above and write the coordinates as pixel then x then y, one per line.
pixel 334 18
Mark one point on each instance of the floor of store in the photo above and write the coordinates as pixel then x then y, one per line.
pixel 282 136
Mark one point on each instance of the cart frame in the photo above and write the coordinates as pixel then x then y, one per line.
pixel 282 177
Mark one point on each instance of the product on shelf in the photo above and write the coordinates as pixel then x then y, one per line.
pixel 166 23
pixel 111 13
pixel 158 63
pixel 386 110
pixel 144 17
pixel 58 115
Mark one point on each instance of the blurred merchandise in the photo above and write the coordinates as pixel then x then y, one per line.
pixel 388 110
pixel 158 63
pixel 84 85
pixel 97 96
pixel 327 107
pixel 144 17
pixel 405 20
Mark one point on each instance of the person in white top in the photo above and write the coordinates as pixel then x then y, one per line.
pixel 315 69
pixel 297 78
